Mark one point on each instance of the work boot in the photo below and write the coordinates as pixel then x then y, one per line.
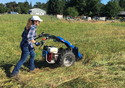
pixel 13 75
pixel 35 70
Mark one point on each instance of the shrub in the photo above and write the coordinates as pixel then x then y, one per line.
pixel 71 11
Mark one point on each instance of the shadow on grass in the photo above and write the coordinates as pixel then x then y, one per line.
pixel 7 67
pixel 38 64
pixel 41 64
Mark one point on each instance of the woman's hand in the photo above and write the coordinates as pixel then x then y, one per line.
pixel 33 41
pixel 37 43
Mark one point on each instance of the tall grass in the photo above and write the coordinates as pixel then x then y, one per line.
pixel 101 43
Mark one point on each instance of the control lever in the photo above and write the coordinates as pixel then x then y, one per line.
pixel 42 43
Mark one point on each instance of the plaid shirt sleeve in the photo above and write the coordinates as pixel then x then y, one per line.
pixel 31 34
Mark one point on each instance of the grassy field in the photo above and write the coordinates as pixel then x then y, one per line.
pixel 101 43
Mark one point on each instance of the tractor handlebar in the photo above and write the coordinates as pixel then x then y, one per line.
pixel 48 36
pixel 40 35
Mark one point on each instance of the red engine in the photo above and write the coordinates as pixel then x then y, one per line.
pixel 52 54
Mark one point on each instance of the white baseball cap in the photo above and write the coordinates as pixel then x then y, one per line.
pixel 36 18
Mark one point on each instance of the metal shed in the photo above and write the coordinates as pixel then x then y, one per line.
pixel 37 11
pixel 122 14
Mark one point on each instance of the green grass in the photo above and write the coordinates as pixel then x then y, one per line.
pixel 101 43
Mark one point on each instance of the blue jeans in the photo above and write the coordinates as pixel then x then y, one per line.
pixel 26 51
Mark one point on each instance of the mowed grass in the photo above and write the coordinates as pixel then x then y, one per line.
pixel 101 43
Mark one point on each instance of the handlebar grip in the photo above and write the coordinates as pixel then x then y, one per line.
pixel 40 35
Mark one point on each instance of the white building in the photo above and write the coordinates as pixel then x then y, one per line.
pixel 59 16
pixel 37 11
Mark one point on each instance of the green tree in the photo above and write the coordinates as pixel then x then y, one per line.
pixel 99 8
pixel 73 3
pixel 44 6
pixel 93 6
pixel 102 10
pixel 30 6
pixel 11 5
pixel 11 8
pixel 18 10
pixel 50 7
pixel 122 4
pixel 112 8
pixel 80 6
pixel 67 4
pixel 91 14
pixel 24 7
pixel 21 5
pixel 72 11
pixel 24 10
pixel 62 6
pixel 40 5
pixel 2 8
pixel 55 7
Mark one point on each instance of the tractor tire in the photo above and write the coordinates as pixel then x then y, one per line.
pixel 67 58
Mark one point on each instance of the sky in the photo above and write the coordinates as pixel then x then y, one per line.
pixel 34 1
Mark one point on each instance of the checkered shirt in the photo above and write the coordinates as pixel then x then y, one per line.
pixel 29 35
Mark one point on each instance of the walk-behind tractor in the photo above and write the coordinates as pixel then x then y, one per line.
pixel 65 57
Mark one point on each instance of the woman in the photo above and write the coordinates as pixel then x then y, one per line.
pixel 26 45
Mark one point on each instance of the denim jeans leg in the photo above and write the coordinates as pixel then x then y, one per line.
pixel 24 56
pixel 31 61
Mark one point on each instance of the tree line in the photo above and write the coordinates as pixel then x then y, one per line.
pixel 69 7
pixel 20 7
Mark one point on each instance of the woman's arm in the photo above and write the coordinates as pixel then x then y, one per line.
pixel 33 41
pixel 31 35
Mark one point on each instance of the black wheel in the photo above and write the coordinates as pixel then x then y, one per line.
pixel 67 58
